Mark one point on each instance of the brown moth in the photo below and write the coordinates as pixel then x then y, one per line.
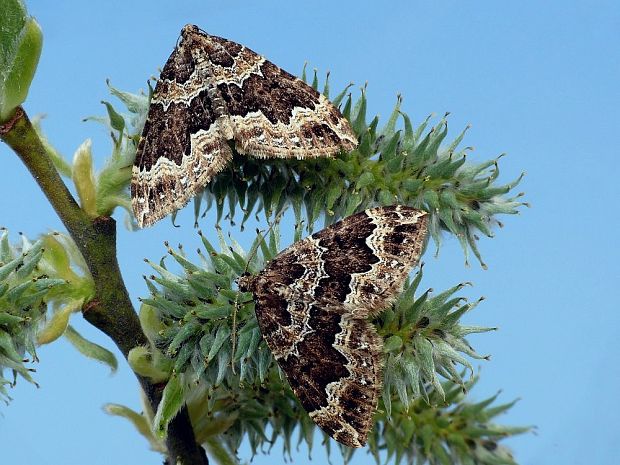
pixel 313 301
pixel 212 91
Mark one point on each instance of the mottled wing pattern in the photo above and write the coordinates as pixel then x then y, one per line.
pixel 272 113
pixel 312 303
pixel 210 91
pixel 181 148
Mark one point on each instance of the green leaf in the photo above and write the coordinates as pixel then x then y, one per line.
pixel 264 362
pixel 412 185
pixel 167 307
pixel 427 364
pixel 393 343
pixel 58 324
pixel 494 411
pixel 17 291
pixel 139 421
pixel 223 361
pixel 116 121
pixel 389 129
pixel 150 322
pixel 187 331
pixel 412 313
pixel 90 349
pixel 359 113
pixel 209 426
pixel 21 41
pixel 412 372
pixel 441 455
pixel 7 346
pixel 135 103
pixel 389 151
pixel 326 86
pixel 341 96
pixel 171 402
pixel 444 349
pixel 8 268
pixel 222 335
pixel 17 367
pixel 8 319
pixel 303 76
pixel 6 253
pixel 245 341
pixel 365 180
pixel 214 311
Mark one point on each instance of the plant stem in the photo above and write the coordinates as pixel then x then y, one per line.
pixel 110 310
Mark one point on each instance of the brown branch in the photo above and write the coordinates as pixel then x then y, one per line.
pixel 110 310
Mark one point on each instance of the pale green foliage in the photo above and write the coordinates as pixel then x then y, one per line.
pixel 63 259
pixel 424 338
pixel 90 349
pixel 204 339
pixel 114 177
pixel 205 336
pixel 84 178
pixel 100 192
pixel 392 165
pixel 41 285
pixel 449 431
pixel 22 308
pixel 21 41
pixel 194 311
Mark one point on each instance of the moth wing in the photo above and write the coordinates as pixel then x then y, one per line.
pixel 312 302
pixel 273 113
pixel 332 363
pixel 180 149
pixel 369 255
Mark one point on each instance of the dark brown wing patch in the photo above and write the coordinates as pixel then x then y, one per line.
pixel 312 303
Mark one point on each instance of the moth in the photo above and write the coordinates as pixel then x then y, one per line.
pixel 213 91
pixel 313 302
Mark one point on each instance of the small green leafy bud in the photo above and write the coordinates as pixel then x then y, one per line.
pixel 56 261
pixel 141 361
pixel 23 293
pixel 48 274
pixel 57 324
pixel 63 260
pixel 84 178
pixel 150 322
pixel 116 121
pixel 21 41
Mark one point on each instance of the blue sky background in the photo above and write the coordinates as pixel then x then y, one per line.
pixel 538 80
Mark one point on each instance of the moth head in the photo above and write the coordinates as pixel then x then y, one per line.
pixel 189 37
pixel 246 282
pixel 189 29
